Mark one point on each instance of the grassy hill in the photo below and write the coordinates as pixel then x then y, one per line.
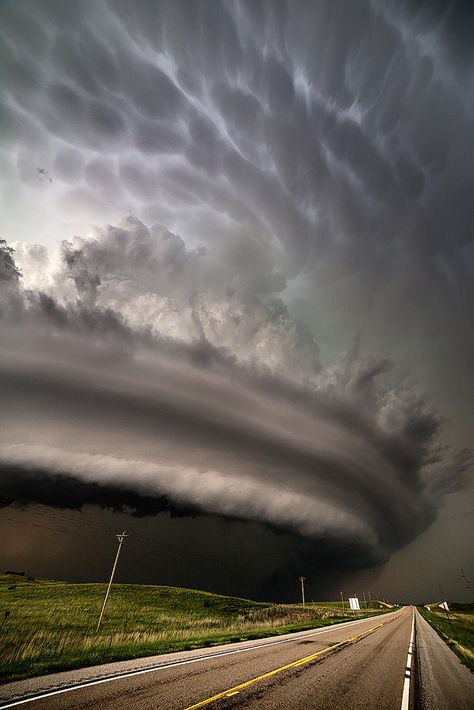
pixel 50 626
pixel 459 635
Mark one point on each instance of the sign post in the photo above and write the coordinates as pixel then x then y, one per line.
pixel 444 605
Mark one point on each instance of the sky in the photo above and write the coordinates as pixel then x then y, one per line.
pixel 236 294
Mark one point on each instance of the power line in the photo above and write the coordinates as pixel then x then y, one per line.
pixel 141 542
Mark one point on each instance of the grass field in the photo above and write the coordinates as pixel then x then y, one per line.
pixel 460 634
pixel 50 626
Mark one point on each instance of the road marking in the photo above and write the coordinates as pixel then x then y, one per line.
pixel 406 684
pixel 288 666
pixel 172 664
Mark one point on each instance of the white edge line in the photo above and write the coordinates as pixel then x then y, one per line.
pixel 408 667
pixel 162 666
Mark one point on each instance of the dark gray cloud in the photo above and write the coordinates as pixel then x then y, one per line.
pixel 24 487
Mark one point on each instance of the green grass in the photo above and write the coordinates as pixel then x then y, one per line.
pixel 460 638
pixel 51 625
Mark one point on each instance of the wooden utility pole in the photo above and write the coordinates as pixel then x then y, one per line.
pixel 120 537
pixel 342 600
pixel 302 580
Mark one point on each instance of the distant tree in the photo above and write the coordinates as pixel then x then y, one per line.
pixel 8 269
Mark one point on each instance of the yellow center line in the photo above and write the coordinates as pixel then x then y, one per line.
pixel 293 664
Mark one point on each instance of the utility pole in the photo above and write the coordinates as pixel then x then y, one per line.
pixel 365 599
pixel 370 599
pixel 467 582
pixel 120 537
pixel 302 580
pixel 342 600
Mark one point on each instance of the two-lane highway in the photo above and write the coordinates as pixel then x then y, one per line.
pixel 362 664
pixel 354 664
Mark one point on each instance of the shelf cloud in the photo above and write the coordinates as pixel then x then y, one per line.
pixel 139 367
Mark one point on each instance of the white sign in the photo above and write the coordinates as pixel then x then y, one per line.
pixel 354 603
pixel 444 605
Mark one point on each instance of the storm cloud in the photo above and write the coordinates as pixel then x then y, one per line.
pixel 293 175
pixel 105 384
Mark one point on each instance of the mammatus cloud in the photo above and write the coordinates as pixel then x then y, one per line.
pixel 332 131
pixel 135 365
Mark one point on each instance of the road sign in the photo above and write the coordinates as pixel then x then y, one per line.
pixel 354 603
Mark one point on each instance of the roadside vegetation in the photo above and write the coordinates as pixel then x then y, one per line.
pixel 50 626
pixel 460 634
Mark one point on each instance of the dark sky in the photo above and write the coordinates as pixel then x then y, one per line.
pixel 236 293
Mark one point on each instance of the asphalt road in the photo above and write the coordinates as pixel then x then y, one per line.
pixel 355 665
pixel 441 680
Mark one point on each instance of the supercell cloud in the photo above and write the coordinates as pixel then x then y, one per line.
pixel 274 159
pixel 134 368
